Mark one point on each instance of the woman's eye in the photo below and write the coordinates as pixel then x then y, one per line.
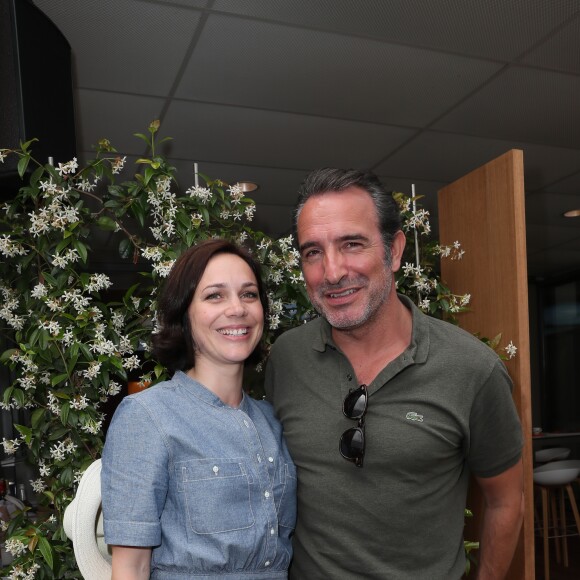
pixel 250 295
pixel 213 296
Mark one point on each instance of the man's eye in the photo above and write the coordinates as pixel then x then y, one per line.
pixel 310 254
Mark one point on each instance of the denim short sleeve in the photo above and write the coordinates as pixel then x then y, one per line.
pixel 134 477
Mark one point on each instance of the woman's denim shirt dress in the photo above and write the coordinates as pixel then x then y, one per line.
pixel 210 487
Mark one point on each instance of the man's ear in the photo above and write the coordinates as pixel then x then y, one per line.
pixel 397 249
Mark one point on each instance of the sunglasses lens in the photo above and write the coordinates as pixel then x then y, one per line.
pixel 352 444
pixel 355 403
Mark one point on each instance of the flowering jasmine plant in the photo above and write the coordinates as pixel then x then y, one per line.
pixel 71 338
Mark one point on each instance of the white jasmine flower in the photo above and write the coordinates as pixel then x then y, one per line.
pixel 39 291
pixel 68 167
pixel 131 363
pixel 117 164
pixel 201 193
pixel 250 211
pixel 53 404
pixel 91 426
pixel 511 350
pixel 11 445
pixel 93 370
pixel 38 485
pixel 79 402
pixel 14 546
pixel 163 268
pixel 10 248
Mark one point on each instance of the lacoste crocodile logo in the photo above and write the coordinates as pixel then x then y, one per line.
pixel 412 416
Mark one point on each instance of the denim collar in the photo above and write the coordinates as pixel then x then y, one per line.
pixel 201 392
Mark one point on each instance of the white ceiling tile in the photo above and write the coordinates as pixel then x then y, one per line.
pixel 499 29
pixel 249 136
pixel 570 185
pixel 522 104
pixel 249 63
pixel 115 117
pixel 124 45
pixel 560 51
pixel 448 156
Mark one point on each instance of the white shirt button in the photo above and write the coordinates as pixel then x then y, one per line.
pixel 267 494
pixel 267 563
pixel 272 531
pixel 271 459
pixel 215 469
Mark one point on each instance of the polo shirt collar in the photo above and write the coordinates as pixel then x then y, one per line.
pixel 417 350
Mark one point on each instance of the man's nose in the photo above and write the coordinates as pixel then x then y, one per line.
pixel 334 267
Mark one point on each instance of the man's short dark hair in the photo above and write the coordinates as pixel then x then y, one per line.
pixel 327 179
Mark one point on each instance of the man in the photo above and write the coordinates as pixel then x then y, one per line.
pixel 382 488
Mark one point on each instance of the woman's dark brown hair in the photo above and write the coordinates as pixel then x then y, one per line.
pixel 173 345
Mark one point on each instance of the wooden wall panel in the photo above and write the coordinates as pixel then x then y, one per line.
pixel 485 212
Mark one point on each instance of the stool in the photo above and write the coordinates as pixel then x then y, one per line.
pixel 554 480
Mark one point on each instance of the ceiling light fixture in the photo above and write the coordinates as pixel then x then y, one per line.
pixel 247 186
pixel 572 213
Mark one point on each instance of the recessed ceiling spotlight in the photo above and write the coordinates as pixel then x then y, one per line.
pixel 247 186
pixel 572 213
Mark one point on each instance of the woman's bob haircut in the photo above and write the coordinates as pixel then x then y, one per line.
pixel 173 345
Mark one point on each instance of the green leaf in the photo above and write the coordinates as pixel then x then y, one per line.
pixel 23 165
pixel 107 223
pixel 24 146
pixel 66 477
pixel 35 177
pixel 58 433
pixel 5 356
pixel 125 248
pixel 45 550
pixel 81 249
pixel 26 433
pixel 64 412
pixel 36 418
pixel 149 173
pixel 58 379
pixel 86 351
pixel 7 395
pixel 143 137
pixel 18 396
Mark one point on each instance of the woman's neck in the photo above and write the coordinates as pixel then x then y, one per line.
pixel 225 381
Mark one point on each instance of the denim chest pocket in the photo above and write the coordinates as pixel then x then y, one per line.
pixel 216 494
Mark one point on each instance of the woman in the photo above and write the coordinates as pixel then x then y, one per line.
pixel 197 480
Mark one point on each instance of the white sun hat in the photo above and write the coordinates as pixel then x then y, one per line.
pixel 83 524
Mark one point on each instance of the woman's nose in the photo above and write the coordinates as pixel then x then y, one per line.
pixel 236 308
